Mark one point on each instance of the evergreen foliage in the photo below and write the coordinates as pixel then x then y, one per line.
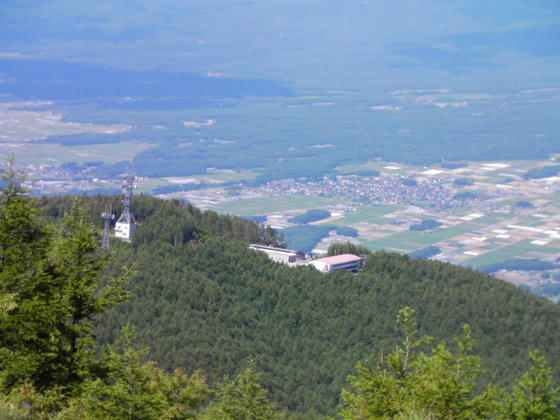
pixel 347 248
pixel 52 288
pixel 534 396
pixel 200 299
pixel 133 389
pixel 211 304
pixel 54 283
pixel 241 398
pixel 443 384
pixel 305 237
pixel 23 277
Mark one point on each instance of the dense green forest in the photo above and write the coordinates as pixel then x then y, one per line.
pixel 200 299
pixel 207 301
pixel 305 237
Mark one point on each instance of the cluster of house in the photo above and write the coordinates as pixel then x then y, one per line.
pixel 291 257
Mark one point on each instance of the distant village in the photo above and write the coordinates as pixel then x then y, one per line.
pixel 439 192
pixel 392 189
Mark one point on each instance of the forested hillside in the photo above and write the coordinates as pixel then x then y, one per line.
pixel 200 299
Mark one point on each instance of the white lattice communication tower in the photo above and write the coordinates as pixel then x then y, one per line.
pixel 107 217
pixel 126 225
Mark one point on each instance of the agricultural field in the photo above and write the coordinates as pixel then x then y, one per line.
pixel 507 216
pixel 496 215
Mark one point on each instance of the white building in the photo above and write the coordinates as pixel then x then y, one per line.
pixel 282 255
pixel 338 262
pixel 124 229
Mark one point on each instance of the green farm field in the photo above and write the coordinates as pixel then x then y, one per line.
pixel 411 240
pixel 517 249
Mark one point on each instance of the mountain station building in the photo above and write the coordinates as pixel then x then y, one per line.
pixel 348 262
pixel 282 255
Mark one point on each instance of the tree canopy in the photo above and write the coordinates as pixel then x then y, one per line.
pixel 206 304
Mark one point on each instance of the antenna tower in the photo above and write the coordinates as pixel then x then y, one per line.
pixel 107 217
pixel 126 225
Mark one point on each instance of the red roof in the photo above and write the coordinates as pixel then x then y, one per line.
pixel 340 259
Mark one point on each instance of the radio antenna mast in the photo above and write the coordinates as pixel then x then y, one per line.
pixel 126 225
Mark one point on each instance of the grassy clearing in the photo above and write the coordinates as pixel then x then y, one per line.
pixel 258 206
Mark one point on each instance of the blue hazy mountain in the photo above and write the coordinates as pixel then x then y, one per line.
pixel 67 81
pixel 342 43
pixel 411 80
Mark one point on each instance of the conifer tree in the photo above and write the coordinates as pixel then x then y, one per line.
pixel 440 385
pixel 137 390
pixel 25 285
pixel 51 287
pixel 242 398
pixel 534 396
pixel 76 262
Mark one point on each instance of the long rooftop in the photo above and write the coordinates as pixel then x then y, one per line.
pixel 271 248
